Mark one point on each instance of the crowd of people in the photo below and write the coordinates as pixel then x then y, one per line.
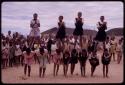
pixel 62 49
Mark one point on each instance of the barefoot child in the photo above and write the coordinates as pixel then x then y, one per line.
pixel 28 56
pixel 82 60
pixel 61 32
pixel 73 60
pixel 43 60
pixel 57 61
pixel 94 61
pixel 105 61
pixel 78 32
pixel 119 51
pixel 66 57
pixel 101 34
pixel 113 47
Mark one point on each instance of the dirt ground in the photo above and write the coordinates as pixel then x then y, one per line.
pixel 12 75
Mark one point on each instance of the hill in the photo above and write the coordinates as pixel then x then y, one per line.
pixel 69 31
pixel 114 31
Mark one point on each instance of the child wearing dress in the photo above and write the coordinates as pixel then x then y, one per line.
pixel 35 31
pixel 113 47
pixel 73 60
pixel 79 29
pixel 49 47
pixel 43 60
pixel 61 32
pixel 5 54
pixel 28 56
pixel 57 61
pixel 94 62
pixel 84 43
pixel 66 58
pixel 11 54
pixel 18 54
pixel 101 34
pixel 107 44
pixel 105 61
pixel 119 51
pixel 82 59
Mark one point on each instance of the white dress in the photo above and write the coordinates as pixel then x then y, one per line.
pixel 35 31
pixel 18 51
pixel 42 58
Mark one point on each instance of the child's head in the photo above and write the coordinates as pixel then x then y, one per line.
pixel 74 51
pixel 102 18
pixel 94 53
pixel 60 18
pixel 120 41
pixel 9 32
pixel 28 50
pixel 105 51
pixel 58 51
pixel 35 15
pixel 84 51
pixel 79 14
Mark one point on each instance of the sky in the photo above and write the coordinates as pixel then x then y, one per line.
pixel 16 16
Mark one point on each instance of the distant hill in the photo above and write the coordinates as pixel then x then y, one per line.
pixel 114 31
pixel 69 31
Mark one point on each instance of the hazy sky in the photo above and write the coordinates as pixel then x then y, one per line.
pixel 16 16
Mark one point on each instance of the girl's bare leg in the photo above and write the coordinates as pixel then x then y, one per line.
pixel 57 70
pixel 106 70
pixel 40 71
pixel 44 69
pixel 54 69
pixel 103 70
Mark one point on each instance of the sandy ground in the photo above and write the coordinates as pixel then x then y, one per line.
pixel 12 75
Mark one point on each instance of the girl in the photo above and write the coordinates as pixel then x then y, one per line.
pixel 11 54
pixel 43 60
pixel 49 47
pixel 78 30
pixel 18 54
pixel 107 44
pixel 94 61
pixel 35 31
pixel 28 56
pixel 74 59
pixel 84 43
pixel 4 55
pixel 82 60
pixel 105 61
pixel 101 35
pixel 67 45
pixel 61 32
pixel 66 57
pixel 119 51
pixel 113 47
pixel 57 61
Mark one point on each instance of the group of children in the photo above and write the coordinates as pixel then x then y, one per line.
pixel 18 50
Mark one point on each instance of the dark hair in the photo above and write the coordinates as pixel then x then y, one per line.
pixel 105 50
pixel 61 16
pixel 28 50
pixel 58 51
pixel 35 14
pixel 74 51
